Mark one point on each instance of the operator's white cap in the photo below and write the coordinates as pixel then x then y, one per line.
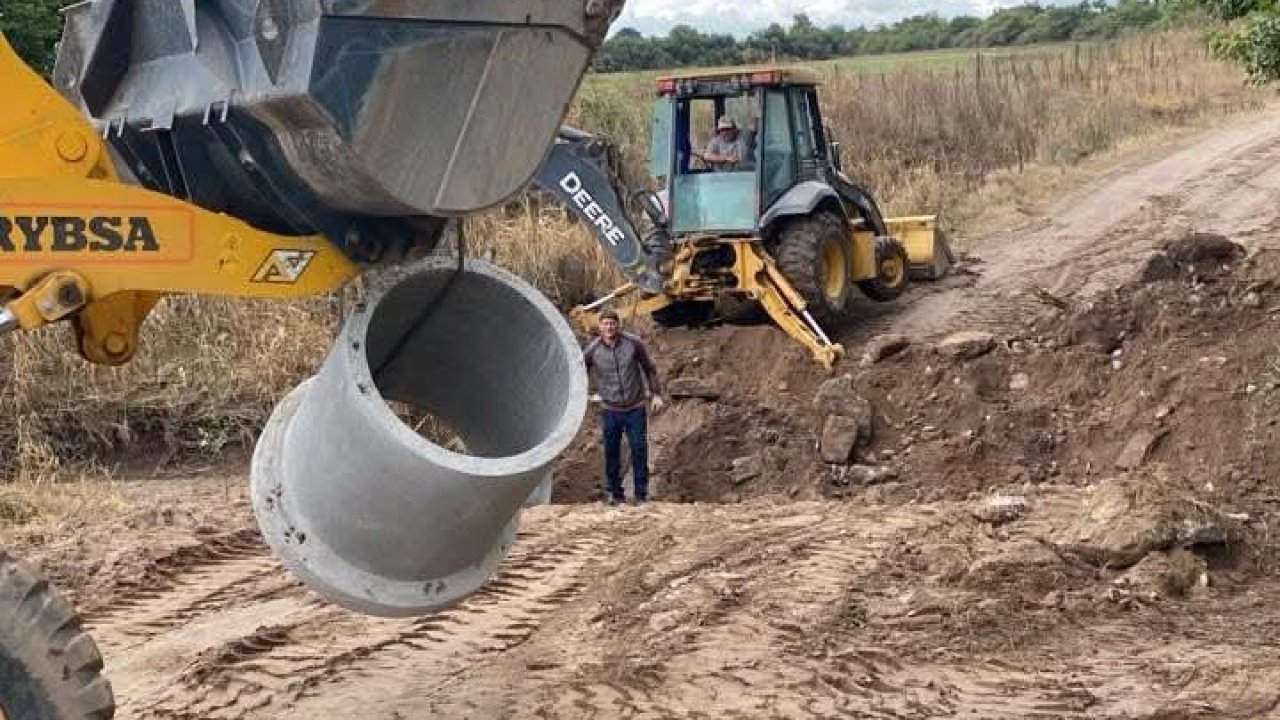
pixel 726 123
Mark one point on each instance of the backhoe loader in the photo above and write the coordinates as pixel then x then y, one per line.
pixel 784 229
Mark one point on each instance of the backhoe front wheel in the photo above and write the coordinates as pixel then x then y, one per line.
pixel 891 271
pixel 49 667
pixel 813 253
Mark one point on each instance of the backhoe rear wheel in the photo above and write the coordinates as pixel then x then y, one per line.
pixel 892 271
pixel 49 667
pixel 813 253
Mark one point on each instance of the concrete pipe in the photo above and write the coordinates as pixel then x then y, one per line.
pixel 369 512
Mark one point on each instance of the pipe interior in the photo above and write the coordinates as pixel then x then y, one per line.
pixel 483 360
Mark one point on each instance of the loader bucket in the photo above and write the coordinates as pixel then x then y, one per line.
pixel 280 112
pixel 929 256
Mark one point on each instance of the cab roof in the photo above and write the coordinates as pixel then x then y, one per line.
pixel 747 75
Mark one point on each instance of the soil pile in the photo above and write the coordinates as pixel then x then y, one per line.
pixel 1172 376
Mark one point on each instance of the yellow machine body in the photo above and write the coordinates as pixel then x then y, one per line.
pixel 754 275
pixel 76 241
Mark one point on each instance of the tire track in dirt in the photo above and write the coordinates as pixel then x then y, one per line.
pixel 166 573
pixel 758 616
pixel 311 653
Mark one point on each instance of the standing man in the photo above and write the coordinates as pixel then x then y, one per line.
pixel 620 365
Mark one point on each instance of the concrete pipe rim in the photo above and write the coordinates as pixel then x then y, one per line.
pixel 328 573
pixel 377 406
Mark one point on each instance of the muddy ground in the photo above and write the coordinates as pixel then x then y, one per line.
pixel 1064 512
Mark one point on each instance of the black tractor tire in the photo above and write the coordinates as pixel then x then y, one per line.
pixel 686 313
pixel 813 252
pixel 892 272
pixel 50 669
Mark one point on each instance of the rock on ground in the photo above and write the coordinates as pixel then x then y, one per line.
pixel 1000 509
pixel 846 419
pixel 1165 574
pixel 687 387
pixel 839 437
pixel 968 344
pixel 1135 452
pixel 884 346
pixel 1120 526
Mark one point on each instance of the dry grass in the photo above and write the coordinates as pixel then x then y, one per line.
pixel 927 140
pixel 207 375
pixel 955 139
pixel 32 512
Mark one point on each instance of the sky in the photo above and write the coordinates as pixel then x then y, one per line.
pixel 739 17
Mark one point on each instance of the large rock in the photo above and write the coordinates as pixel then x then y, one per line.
pixel 1122 523
pixel 968 344
pixel 838 396
pixel 1165 574
pixel 846 419
pixel 840 436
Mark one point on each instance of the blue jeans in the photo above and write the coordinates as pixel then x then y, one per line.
pixel 634 423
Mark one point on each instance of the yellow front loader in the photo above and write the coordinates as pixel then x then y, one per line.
pixel 283 149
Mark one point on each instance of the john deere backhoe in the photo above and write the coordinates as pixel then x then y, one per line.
pixel 277 149
pixel 783 229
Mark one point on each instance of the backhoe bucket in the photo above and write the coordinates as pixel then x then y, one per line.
pixel 381 517
pixel 287 112
pixel 929 256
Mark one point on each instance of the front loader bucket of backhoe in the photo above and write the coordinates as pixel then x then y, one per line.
pixel 291 114
pixel 929 256
pixel 372 513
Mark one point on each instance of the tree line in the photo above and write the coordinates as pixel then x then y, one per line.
pixel 685 46
pixel 1247 31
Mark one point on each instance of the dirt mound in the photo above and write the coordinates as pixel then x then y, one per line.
pixel 1173 379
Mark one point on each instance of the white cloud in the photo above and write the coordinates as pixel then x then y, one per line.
pixel 740 17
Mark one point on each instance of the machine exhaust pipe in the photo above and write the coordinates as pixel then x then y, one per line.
pixel 373 515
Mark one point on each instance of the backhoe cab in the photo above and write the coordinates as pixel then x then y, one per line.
pixel 782 226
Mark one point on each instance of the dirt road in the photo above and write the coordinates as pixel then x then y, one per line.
pixel 1137 591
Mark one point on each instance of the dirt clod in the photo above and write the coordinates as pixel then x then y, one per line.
pixel 1135 452
pixel 1202 249
pixel 692 387
pixel 1001 509
pixel 1165 574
